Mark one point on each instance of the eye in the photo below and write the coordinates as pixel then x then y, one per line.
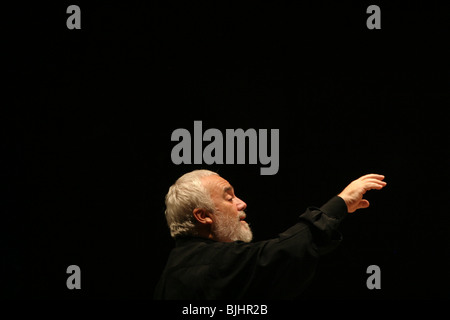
pixel 231 199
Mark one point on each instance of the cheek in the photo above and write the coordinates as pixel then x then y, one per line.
pixel 233 210
pixel 230 210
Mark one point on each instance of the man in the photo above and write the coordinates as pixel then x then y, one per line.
pixel 214 257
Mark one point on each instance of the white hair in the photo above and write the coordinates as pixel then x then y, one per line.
pixel 186 194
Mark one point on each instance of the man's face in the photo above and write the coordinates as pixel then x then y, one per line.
pixel 228 218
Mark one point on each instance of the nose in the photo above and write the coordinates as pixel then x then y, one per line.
pixel 240 205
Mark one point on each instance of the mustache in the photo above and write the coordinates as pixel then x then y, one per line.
pixel 242 215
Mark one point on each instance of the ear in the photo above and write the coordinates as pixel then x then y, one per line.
pixel 202 216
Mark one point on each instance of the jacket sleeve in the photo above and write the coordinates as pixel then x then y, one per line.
pixel 323 224
pixel 316 231
pixel 287 263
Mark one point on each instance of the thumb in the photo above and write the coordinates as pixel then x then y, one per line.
pixel 363 204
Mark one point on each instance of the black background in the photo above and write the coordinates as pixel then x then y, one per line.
pixel 87 117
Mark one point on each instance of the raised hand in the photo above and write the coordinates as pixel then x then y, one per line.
pixel 353 193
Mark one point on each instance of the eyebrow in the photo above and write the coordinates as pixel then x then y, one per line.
pixel 228 188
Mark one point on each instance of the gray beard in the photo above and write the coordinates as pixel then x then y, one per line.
pixel 227 229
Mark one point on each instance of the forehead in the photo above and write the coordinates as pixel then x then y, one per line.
pixel 216 184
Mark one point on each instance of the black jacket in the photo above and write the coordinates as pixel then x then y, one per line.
pixel 279 268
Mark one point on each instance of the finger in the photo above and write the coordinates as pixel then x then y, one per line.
pixel 383 183
pixel 363 204
pixel 372 176
pixel 371 186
